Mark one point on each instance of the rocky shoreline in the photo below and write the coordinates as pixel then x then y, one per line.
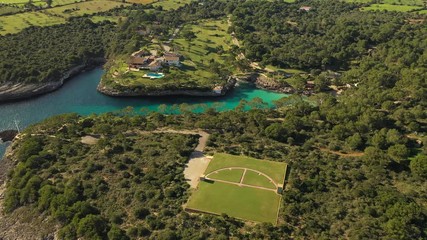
pixel 263 82
pixel 231 82
pixel 7 135
pixel 18 91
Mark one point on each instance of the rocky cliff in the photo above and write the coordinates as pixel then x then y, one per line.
pixel 17 91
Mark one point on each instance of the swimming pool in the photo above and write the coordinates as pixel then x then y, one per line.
pixel 154 75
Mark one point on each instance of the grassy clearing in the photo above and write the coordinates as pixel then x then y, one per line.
pixel 255 179
pixel 394 2
pixel 16 23
pixel 171 4
pixel 404 2
pixel 6 9
pixel 390 7
pixel 240 202
pixel 115 19
pixel 233 175
pixel 63 2
pixel 141 1
pixel 79 9
pixel 211 38
pixel 15 1
pixel 287 70
pixel 275 170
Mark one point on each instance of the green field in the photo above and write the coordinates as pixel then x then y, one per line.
pixel 390 7
pixel 81 8
pixel 210 36
pixel 395 2
pixel 56 15
pixel 240 202
pixel 231 175
pixel 170 4
pixel 16 23
pixel 255 179
pixel 253 199
pixel 275 170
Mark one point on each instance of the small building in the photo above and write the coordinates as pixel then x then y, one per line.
pixel 171 59
pixel 305 8
pixel 155 65
pixel 137 62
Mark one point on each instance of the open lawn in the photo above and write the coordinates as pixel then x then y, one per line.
pixel 170 4
pixel 15 23
pixel 255 179
pixel 390 7
pixel 210 41
pixel 231 175
pixel 240 202
pixel 81 8
pixel 245 194
pixel 275 170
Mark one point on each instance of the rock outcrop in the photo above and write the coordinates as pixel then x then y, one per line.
pixel 17 91
pixel 264 82
pixel 7 135
pixel 107 90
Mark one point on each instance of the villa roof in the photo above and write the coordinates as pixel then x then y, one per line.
pixel 154 63
pixel 171 58
pixel 137 60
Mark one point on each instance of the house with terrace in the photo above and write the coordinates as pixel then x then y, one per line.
pixel 143 60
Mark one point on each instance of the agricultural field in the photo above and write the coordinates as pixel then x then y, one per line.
pixel 63 2
pixel 56 15
pixel 390 7
pixel 140 1
pixel 81 8
pixel 394 2
pixel 16 23
pixel 241 187
pixel 170 4
pixel 6 9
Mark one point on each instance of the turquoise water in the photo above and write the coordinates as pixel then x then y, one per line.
pixel 79 95
pixel 155 75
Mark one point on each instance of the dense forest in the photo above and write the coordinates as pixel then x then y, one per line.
pixel 329 35
pixel 45 54
pixel 126 185
pixel 358 160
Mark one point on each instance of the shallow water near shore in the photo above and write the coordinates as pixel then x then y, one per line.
pixel 79 95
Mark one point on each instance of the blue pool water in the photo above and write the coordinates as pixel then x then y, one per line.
pixel 155 75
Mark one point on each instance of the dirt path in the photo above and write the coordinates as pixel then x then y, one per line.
pixel 352 154
pixel 198 161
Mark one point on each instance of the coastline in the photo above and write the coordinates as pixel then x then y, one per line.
pixel 19 91
pixel 263 82
pixel 231 82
